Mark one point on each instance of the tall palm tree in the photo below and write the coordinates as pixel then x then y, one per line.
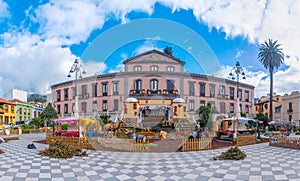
pixel 271 57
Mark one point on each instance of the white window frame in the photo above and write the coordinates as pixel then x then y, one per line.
pixel 137 68
pixel 170 69
pixel 154 68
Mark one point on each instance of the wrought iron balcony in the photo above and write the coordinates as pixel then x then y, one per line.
pixel 143 92
pixel 222 96
pixel 289 111
pixel 84 96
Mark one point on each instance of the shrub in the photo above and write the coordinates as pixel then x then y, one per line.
pixel 233 153
pixel 65 126
pixel 25 130
pixel 62 150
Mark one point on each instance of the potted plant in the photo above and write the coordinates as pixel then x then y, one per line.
pixel 64 126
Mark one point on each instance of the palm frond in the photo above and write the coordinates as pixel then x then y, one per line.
pixel 270 54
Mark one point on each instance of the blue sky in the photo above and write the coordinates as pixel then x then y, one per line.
pixel 39 40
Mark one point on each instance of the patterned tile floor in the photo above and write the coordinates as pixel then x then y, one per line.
pixel 263 162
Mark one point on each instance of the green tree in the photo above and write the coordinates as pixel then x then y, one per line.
pixel 261 117
pixel 243 114
pixel 205 115
pixel 271 56
pixel 168 50
pixel 49 114
pixel 104 118
pixel 37 122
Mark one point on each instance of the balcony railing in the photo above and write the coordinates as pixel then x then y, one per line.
pixel 202 94
pixel 289 110
pixel 222 96
pixel 143 92
pixel 84 96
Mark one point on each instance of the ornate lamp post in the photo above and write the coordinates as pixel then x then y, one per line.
pixel 76 67
pixel 237 71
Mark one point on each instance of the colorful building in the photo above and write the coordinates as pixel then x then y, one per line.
pixel 263 105
pixel 291 108
pixel 24 110
pixel 37 109
pixel 155 81
pixel 7 112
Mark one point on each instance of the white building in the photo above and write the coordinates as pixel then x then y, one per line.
pixel 17 94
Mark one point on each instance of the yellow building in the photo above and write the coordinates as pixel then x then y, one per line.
pixel 7 112
pixel 263 105
pixel 158 109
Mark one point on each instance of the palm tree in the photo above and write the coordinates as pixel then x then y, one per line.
pixel 271 57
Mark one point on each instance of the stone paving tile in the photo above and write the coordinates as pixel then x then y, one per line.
pixel 263 162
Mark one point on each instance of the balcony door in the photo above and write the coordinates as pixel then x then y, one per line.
pixel 170 85
pixel 138 85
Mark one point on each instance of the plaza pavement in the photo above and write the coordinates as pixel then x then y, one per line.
pixel 263 162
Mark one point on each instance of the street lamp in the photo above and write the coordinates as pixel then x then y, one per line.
pixel 76 67
pixel 237 71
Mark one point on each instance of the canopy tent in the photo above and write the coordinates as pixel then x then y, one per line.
pixel 272 122
pixel 67 120
pixel 80 125
pixel 241 122
pixel 75 120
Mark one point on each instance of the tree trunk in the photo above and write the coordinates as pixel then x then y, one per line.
pixel 271 96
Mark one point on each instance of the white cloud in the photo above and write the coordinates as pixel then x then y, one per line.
pixel 94 68
pixel 147 46
pixel 253 78
pixel 257 21
pixel 286 80
pixel 124 56
pixel 118 68
pixel 72 22
pixel 36 61
pixel 34 65
pixel 4 13
pixel 239 53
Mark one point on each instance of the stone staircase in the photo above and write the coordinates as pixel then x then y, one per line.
pixel 185 125
pixel 154 122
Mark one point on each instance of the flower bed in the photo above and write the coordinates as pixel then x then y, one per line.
pixel 147 133
pixel 67 133
pixel 225 132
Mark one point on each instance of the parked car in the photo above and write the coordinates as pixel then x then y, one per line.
pixel 20 123
pixel 8 125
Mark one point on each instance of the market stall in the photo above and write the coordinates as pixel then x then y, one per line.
pixel 242 126
pixel 77 127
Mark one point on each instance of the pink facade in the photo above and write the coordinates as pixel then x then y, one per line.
pixel 151 75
